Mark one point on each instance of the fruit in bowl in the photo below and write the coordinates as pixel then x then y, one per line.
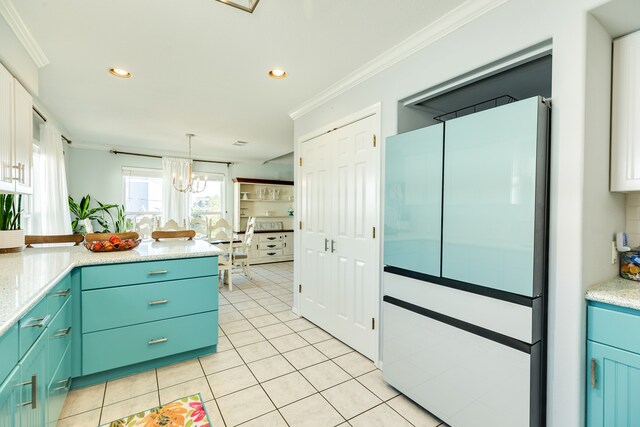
pixel 114 243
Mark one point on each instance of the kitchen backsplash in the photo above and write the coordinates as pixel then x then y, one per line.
pixel 633 219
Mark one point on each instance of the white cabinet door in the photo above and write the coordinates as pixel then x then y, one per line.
pixel 288 244
pixel 625 110
pixel 339 254
pixel 6 131
pixel 23 138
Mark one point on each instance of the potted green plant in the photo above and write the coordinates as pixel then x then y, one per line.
pixel 11 233
pixel 85 214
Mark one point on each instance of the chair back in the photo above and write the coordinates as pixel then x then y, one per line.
pixel 248 234
pixel 200 226
pixel 59 238
pixel 144 225
pixel 159 234
pixel 172 225
pixel 223 240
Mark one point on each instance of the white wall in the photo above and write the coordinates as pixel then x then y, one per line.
pixel 99 173
pixel 512 27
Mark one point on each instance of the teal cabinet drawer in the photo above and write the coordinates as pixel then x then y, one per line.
pixel 115 348
pixel 58 389
pixel 59 336
pixel 32 325
pixel 105 276
pixel 615 327
pixel 60 294
pixel 8 352
pixel 129 305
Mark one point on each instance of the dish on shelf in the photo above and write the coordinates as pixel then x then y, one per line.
pixel 114 244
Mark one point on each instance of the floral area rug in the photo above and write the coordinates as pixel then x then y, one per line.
pixel 186 412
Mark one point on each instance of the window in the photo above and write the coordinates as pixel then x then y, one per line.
pixel 142 191
pixel 143 194
pixel 209 204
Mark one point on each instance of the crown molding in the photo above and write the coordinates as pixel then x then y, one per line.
pixel 19 28
pixel 463 14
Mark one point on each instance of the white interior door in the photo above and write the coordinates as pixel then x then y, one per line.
pixel 354 206
pixel 339 254
pixel 315 215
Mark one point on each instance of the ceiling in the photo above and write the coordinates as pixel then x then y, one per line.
pixel 201 66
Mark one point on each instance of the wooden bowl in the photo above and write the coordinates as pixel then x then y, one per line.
pixel 106 246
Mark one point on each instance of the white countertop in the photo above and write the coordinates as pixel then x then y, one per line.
pixel 26 277
pixel 617 291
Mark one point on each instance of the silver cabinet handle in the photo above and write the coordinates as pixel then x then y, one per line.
pixel 63 332
pixel 22 173
pixel 594 363
pixel 326 245
pixel 39 322
pixel 154 273
pixel 64 293
pixel 17 168
pixel 65 382
pixel 333 246
pixel 34 392
pixel 158 302
pixel 158 341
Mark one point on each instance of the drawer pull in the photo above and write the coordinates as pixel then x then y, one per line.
pixel 158 302
pixel 63 332
pixel 65 385
pixel 271 253
pixel 64 293
pixel 271 238
pixel 34 392
pixel 40 322
pixel 593 373
pixel 155 273
pixel 271 246
pixel 158 341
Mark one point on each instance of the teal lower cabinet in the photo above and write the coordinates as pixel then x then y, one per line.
pixel 32 386
pixel 613 366
pixel 58 388
pixel 138 316
pixel 9 396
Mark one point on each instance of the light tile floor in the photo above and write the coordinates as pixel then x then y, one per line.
pixel 272 369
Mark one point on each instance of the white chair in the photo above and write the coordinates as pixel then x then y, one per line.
pixel 222 238
pixel 144 226
pixel 171 225
pixel 241 252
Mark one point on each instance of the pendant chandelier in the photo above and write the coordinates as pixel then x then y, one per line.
pixel 192 184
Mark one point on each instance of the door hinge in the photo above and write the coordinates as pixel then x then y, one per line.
pixel 374 140
pixel 300 288
pixel 374 232
pixel 373 323
pixel 300 225
pixel 300 161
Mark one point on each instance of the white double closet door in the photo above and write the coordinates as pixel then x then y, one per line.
pixel 339 257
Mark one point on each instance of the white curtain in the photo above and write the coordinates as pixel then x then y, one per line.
pixel 50 205
pixel 175 204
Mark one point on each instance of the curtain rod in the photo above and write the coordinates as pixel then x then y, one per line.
pixel 116 152
pixel 45 120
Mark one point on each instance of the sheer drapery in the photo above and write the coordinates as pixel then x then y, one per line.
pixel 175 204
pixel 50 193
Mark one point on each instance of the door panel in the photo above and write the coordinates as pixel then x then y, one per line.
pixel 612 399
pixel 490 197
pixel 339 210
pixel 413 200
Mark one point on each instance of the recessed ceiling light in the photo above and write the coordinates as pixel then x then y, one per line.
pixel 276 73
pixel 240 143
pixel 119 72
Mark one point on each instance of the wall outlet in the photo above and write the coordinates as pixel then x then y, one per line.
pixel 614 253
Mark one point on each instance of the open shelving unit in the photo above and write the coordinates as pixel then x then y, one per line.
pixel 277 199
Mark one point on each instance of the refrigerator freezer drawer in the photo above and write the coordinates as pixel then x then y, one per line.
pixel 463 378
pixel 521 322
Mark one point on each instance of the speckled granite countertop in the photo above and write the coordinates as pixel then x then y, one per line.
pixel 26 277
pixel 618 291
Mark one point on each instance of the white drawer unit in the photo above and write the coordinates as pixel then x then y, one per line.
pixel 272 247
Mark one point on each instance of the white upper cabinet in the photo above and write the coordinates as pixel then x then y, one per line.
pixel 625 114
pixel 16 135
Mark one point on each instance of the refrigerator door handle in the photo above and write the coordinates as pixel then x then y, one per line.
pixel 333 246
pixel 326 245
